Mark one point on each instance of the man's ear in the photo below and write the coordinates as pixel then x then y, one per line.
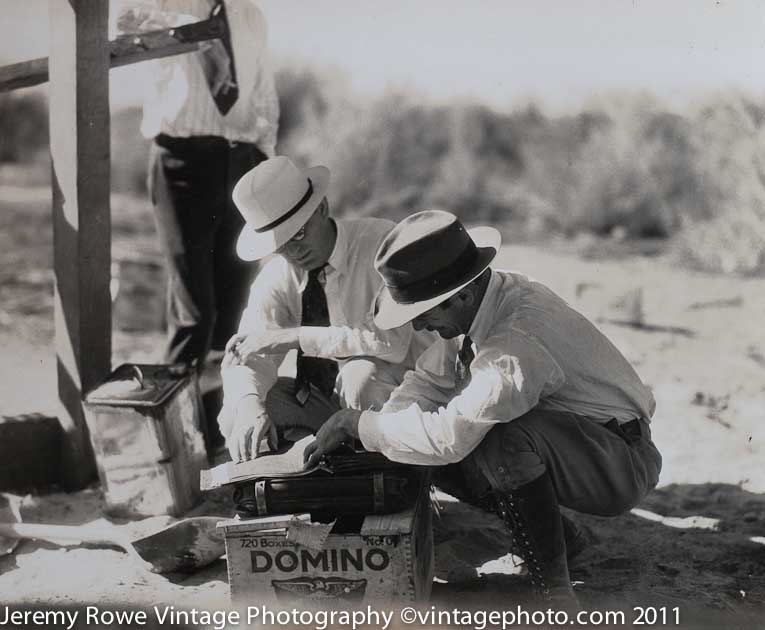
pixel 324 207
pixel 466 296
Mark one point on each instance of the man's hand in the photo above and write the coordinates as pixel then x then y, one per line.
pixel 342 426
pixel 244 346
pixel 251 426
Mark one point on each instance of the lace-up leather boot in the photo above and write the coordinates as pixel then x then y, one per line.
pixel 532 515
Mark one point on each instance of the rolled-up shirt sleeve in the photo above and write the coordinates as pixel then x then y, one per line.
pixel 430 385
pixel 339 342
pixel 509 375
pixel 271 304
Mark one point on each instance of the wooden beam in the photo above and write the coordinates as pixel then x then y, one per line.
pixel 79 143
pixel 124 50
pixel 24 74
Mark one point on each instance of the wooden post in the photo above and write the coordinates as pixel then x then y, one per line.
pixel 79 143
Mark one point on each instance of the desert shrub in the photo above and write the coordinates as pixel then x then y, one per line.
pixel 303 104
pixel 130 152
pixel 627 166
pixel 619 182
pixel 24 141
pixel 729 235
pixel 397 151
pixel 314 108
pixel 551 155
pixel 23 127
pixel 396 156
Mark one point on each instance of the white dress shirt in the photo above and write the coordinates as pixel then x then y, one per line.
pixel 177 99
pixel 351 284
pixel 531 350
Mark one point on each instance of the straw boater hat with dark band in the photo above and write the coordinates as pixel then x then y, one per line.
pixel 276 198
pixel 424 260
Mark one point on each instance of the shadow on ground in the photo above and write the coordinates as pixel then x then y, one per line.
pixel 700 548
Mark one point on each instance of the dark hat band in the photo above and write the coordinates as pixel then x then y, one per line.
pixel 292 211
pixel 439 282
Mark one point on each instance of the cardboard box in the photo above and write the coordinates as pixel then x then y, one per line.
pixel 374 560
pixel 145 427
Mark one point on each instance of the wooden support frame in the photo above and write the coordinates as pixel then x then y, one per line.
pixel 80 152
pixel 124 50
pixel 78 70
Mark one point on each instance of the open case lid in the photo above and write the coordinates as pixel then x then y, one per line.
pixel 288 462
pixel 139 385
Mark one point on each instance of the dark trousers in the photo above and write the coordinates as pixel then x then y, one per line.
pixel 190 183
pixel 595 468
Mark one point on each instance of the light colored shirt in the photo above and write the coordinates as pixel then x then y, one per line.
pixel 177 99
pixel 350 284
pixel 531 350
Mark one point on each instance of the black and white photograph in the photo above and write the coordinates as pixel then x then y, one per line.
pixel 356 314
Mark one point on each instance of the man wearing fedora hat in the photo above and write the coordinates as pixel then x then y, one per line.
pixel 315 296
pixel 523 405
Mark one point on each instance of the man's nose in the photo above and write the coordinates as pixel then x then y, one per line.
pixel 292 249
pixel 418 324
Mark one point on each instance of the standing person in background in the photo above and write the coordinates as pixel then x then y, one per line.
pixel 212 116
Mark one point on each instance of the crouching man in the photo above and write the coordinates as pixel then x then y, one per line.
pixel 522 403
pixel 315 296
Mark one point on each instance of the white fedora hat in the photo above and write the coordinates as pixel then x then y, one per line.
pixel 276 198
pixel 424 260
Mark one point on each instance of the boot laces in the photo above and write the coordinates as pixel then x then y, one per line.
pixel 506 507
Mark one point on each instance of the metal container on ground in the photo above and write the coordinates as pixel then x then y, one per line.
pixel 145 424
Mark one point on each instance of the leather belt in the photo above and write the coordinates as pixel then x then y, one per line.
pixel 190 142
pixel 630 431
pixel 633 427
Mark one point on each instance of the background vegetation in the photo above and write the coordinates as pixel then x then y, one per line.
pixel 623 170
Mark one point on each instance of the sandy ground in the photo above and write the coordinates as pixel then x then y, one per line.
pixel 696 543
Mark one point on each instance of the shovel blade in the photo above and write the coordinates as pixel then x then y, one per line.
pixel 183 546
pixel 9 512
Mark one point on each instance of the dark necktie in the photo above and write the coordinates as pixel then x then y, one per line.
pixel 321 372
pixel 226 95
pixel 462 366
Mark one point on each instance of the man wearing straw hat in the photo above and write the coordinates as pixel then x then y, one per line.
pixel 522 403
pixel 315 296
